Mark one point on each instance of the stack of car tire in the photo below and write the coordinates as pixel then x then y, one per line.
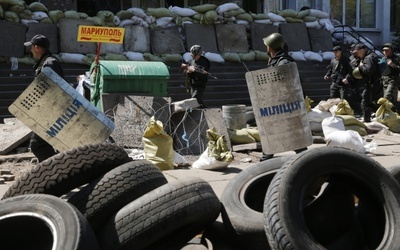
pixel 97 197
pixel 325 198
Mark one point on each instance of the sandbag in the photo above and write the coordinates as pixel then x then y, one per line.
pixel 158 12
pixel 115 57
pixel 346 139
pixel 153 58
pixel 26 14
pixel 17 8
pixel 158 146
pixel 303 13
pixel 137 12
pixel 312 56
pixel 288 13
pixel 39 15
pixel 240 136
pixel 261 55
pixel 226 7
pixel 231 57
pixel 56 15
pixel 250 56
pixel 11 16
pixel 124 14
pixel 6 3
pixel 351 120
pixel 172 57
pixel 134 56
pixel 343 108
pixel 210 17
pixel 316 115
pixel 36 6
pixel 72 58
pixel 293 20
pixel 276 18
pixel 384 113
pixel 204 7
pixel 328 55
pixel 46 20
pixel 332 124
pixel 71 14
pixel 359 129
pixel 181 11
pixel 163 21
pixel 254 133
pixel 318 13
pixel 259 16
pixel 214 57
pixel 107 15
pixel 297 55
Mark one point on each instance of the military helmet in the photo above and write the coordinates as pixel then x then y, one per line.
pixel 356 73
pixel 195 50
pixel 275 41
pixel 387 46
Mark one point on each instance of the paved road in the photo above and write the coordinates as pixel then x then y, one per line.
pixel 387 153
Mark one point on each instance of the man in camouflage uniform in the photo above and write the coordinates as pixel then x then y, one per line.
pixel 390 74
pixel 356 84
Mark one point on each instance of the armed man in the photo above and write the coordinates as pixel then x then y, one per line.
pixel 197 73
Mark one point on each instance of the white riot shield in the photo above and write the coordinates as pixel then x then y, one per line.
pixel 55 111
pixel 279 108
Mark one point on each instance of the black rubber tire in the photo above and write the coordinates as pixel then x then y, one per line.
pixel 243 199
pixel 102 198
pixel 395 172
pixel 285 224
pixel 65 171
pixel 40 221
pixel 165 218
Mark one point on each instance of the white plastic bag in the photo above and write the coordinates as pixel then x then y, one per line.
pixel 349 139
pixel 208 162
pixel 80 87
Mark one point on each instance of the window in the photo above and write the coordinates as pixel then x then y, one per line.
pixel 355 13
pixel 394 15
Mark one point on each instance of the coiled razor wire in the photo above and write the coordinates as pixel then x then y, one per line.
pixel 188 132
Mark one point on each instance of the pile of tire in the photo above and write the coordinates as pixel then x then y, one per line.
pixel 324 198
pixel 97 197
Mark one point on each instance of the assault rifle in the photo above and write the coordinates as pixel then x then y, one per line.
pixel 202 71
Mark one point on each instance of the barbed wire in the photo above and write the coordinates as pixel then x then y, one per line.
pixel 187 128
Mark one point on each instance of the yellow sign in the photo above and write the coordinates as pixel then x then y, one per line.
pixel 100 34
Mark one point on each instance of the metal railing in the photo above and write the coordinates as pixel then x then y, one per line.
pixel 353 33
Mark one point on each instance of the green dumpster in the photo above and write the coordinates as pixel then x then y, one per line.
pixel 128 77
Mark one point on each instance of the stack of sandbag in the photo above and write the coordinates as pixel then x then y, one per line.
pixel 336 135
pixel 205 14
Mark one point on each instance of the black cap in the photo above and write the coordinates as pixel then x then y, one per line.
pixel 360 46
pixel 353 45
pixel 39 40
pixel 337 48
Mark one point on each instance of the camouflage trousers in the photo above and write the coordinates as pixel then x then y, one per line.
pixel 391 88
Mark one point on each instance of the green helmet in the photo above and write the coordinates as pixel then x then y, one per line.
pixel 357 73
pixel 275 41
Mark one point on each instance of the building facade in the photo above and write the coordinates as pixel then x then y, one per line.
pixel 377 20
